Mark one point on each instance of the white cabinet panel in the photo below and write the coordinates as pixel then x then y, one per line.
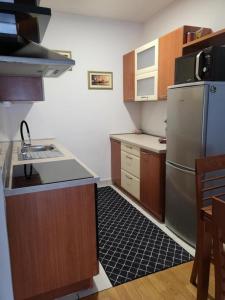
pixel 130 149
pixel 131 184
pixel 130 163
pixel 146 57
pixel 146 86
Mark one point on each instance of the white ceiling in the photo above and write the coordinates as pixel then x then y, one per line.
pixel 127 10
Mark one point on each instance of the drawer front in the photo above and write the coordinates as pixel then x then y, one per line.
pixel 130 163
pixel 129 148
pixel 131 184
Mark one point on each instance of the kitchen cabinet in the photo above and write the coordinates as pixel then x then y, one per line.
pixel 146 86
pixel 154 64
pixel 146 58
pixel 152 179
pixel 18 88
pixel 142 175
pixel 171 47
pixel 116 162
pixel 128 76
pixel 52 239
pixel 130 169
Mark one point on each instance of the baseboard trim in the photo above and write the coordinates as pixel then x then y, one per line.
pixel 105 182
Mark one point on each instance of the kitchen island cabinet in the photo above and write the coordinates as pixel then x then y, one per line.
pixel 52 238
pixel 51 226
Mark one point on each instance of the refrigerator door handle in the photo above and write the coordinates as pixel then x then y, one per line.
pixel 180 169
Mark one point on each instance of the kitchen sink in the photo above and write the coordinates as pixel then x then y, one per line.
pixel 37 148
pixel 38 152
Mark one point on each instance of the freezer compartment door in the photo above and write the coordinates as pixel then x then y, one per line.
pixel 181 214
pixel 185 124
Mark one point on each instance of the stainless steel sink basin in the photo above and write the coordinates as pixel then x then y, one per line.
pixel 37 148
pixel 38 152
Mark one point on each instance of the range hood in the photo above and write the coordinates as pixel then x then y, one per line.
pixel 22 28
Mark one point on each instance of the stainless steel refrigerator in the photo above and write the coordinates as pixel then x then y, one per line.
pixel 195 128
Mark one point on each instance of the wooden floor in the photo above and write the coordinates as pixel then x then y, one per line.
pixel 170 284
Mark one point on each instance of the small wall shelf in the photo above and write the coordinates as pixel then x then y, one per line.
pixel 212 39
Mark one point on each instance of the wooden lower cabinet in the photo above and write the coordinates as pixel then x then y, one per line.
pixel 52 239
pixel 116 162
pixel 152 180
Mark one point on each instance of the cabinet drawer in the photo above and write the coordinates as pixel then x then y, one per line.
pixel 130 163
pixel 129 148
pixel 131 184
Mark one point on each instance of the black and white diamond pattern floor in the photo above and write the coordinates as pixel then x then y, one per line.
pixel 130 245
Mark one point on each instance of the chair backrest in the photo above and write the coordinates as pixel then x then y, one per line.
pixel 210 179
pixel 218 217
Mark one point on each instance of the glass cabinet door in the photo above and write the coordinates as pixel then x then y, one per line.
pixel 146 86
pixel 146 58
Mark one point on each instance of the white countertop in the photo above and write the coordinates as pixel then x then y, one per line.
pixel 144 141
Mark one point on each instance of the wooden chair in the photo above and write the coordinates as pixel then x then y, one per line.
pixel 218 218
pixel 209 183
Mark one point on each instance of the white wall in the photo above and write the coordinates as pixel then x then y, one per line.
pixel 205 13
pixel 82 119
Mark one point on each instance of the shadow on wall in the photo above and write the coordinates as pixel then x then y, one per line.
pixel 132 109
pixel 9 116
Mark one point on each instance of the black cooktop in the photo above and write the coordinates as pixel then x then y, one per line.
pixel 45 173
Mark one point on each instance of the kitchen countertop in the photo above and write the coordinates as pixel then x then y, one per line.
pixel 144 141
pixel 48 185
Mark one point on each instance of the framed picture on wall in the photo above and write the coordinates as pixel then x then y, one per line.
pixel 67 54
pixel 100 80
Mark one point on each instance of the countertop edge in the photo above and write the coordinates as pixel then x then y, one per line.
pixel 115 137
pixel 51 186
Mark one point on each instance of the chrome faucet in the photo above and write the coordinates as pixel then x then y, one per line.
pixel 24 145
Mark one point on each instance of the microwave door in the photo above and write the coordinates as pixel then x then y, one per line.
pixel 189 68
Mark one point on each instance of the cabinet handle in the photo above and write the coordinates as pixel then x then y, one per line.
pixel 144 97
pixel 129 157
pixel 129 147
pixel 129 177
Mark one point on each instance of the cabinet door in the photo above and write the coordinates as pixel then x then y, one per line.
pixel 52 238
pixel 146 86
pixel 170 47
pixel 116 162
pixel 146 58
pixel 152 180
pixel 128 76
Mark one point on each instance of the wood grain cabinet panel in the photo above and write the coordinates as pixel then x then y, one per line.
pixel 152 180
pixel 170 47
pixel 116 162
pixel 52 239
pixel 129 76
pixel 18 88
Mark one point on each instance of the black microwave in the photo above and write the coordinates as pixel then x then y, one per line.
pixel 205 65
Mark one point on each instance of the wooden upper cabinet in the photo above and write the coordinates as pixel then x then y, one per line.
pixel 18 88
pixel 170 47
pixel 149 70
pixel 116 162
pixel 129 76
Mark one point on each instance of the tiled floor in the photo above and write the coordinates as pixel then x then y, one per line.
pixel 101 281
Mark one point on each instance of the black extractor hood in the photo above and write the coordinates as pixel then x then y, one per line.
pixel 22 27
